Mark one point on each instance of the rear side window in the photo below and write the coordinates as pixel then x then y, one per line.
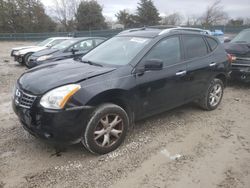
pixel 212 43
pixel 167 50
pixel 194 46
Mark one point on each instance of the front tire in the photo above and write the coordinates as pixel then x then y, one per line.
pixel 106 129
pixel 213 96
pixel 25 59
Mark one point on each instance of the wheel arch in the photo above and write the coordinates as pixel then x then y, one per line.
pixel 223 78
pixel 119 97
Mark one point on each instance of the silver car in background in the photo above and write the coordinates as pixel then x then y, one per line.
pixel 21 54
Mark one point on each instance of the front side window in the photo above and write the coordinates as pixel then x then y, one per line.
pixel 167 50
pixel 84 45
pixel 194 46
pixel 117 50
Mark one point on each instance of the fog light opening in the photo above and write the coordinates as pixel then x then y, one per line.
pixel 48 135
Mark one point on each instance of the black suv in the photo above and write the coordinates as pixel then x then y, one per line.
pixel 133 75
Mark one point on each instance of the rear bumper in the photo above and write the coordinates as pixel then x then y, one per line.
pixel 241 71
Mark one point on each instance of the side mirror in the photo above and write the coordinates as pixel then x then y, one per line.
pixel 73 50
pixel 153 64
pixel 227 40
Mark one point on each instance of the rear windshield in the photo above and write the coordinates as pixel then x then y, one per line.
pixel 45 42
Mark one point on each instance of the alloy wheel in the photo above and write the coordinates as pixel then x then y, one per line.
pixel 108 130
pixel 215 95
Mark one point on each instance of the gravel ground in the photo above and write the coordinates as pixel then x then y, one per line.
pixel 184 147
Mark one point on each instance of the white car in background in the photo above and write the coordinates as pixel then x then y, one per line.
pixel 21 54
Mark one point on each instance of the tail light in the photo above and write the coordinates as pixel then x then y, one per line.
pixel 231 58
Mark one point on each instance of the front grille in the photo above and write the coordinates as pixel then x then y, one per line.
pixel 23 99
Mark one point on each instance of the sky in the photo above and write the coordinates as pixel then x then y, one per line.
pixel 234 8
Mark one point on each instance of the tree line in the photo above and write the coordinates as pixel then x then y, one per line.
pixel 22 16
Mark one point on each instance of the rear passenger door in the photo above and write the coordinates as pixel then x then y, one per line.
pixel 198 64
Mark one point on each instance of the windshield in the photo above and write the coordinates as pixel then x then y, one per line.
pixel 117 50
pixel 243 36
pixel 45 42
pixel 64 44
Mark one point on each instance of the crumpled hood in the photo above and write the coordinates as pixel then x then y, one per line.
pixel 32 49
pixel 238 49
pixel 48 76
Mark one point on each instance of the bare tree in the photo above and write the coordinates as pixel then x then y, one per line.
pixel 65 11
pixel 247 21
pixel 172 19
pixel 214 14
pixel 193 20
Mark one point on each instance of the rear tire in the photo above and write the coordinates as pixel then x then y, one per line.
pixel 106 129
pixel 213 95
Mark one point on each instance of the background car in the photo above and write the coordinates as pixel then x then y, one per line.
pixel 72 48
pixel 239 49
pixel 134 75
pixel 21 54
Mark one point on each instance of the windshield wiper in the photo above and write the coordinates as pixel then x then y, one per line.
pixel 91 63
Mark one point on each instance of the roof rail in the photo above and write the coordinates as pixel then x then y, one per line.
pixel 141 29
pixel 135 29
pixel 202 31
pixel 167 30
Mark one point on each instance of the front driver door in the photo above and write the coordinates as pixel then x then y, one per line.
pixel 162 89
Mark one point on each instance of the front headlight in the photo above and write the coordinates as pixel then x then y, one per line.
pixel 57 98
pixel 16 53
pixel 43 58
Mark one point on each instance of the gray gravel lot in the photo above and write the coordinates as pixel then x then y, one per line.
pixel 184 147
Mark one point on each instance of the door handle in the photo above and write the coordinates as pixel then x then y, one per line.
pixel 181 73
pixel 212 64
